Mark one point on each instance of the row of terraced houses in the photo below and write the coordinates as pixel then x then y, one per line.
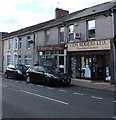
pixel 78 43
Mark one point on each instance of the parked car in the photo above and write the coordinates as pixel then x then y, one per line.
pixel 16 71
pixel 47 75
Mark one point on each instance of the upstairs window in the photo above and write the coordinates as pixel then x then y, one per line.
pixel 61 34
pixel 70 33
pixel 91 29
pixel 28 44
pixel 16 44
pixel 9 45
pixel 20 43
pixel 47 37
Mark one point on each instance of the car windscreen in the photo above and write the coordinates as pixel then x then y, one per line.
pixel 51 70
pixel 21 67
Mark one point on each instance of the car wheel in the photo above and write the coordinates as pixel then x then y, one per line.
pixel 28 79
pixel 48 80
pixel 15 76
pixel 69 83
pixel 6 75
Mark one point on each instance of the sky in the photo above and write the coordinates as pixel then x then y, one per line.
pixel 18 14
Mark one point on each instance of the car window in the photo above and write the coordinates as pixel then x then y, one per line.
pixel 41 69
pixel 35 68
pixel 52 69
pixel 21 67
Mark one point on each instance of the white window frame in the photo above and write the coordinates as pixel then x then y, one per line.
pixel 70 31
pixel 20 43
pixel 10 60
pixel 9 45
pixel 15 44
pixel 90 26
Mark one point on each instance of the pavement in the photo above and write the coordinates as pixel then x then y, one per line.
pixel 99 85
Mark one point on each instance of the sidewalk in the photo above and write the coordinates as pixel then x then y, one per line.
pixel 105 86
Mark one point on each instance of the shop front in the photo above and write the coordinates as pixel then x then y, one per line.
pixel 90 60
pixel 52 55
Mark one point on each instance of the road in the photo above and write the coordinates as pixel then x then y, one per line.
pixel 22 100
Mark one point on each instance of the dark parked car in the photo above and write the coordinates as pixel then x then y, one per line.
pixel 16 71
pixel 47 75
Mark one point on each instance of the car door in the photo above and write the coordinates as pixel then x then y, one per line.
pixel 10 71
pixel 41 75
pixel 33 74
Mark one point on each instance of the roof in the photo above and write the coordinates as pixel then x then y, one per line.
pixel 75 15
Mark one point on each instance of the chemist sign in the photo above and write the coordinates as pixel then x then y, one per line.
pixel 89 45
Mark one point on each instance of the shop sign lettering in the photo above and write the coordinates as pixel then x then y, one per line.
pixel 52 47
pixel 89 45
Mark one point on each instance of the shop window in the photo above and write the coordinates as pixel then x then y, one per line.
pixel 75 67
pixel 91 29
pixel 83 67
pixel 61 63
pixel 107 69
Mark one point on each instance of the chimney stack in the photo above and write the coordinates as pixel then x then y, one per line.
pixel 60 13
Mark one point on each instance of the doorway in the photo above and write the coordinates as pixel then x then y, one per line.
pixel 97 67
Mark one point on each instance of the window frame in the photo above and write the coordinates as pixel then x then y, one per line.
pixel 9 45
pixel 89 29
pixel 28 59
pixel 20 43
pixel 15 44
pixel 28 44
pixel 10 59
pixel 61 30
pixel 70 33
pixel 47 37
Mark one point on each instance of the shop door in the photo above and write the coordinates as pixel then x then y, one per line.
pixel 97 67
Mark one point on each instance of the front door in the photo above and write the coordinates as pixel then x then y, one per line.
pixel 97 67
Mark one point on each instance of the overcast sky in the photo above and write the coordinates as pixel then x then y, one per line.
pixel 17 14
